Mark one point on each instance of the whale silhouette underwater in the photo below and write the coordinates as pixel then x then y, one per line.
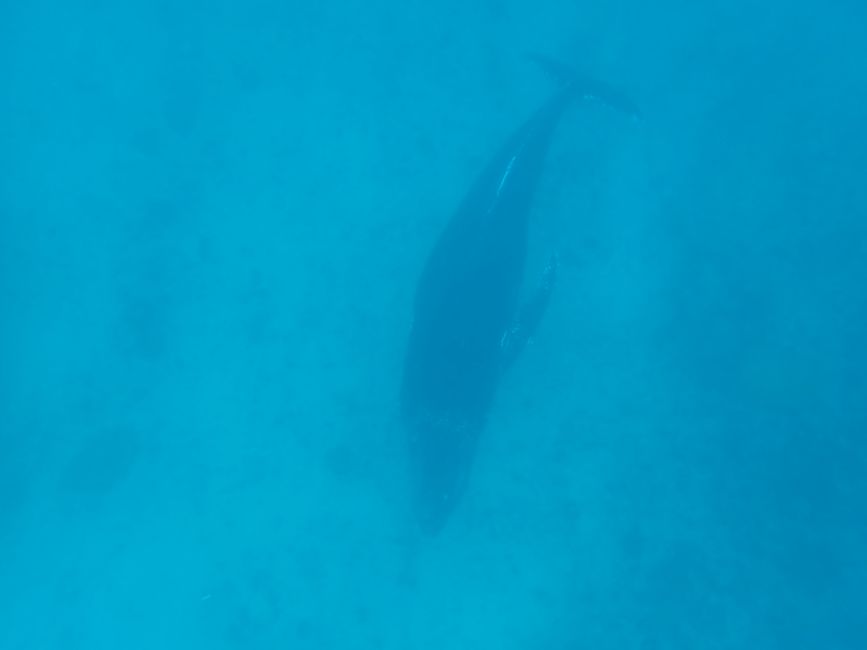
pixel 468 325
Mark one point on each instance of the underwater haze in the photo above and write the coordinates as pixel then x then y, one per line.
pixel 213 216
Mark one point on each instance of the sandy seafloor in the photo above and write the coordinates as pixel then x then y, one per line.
pixel 212 218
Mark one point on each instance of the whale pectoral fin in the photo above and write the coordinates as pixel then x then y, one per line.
pixel 530 315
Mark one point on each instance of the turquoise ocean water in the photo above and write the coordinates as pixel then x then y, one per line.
pixel 212 219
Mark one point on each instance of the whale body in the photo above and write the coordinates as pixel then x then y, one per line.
pixel 468 324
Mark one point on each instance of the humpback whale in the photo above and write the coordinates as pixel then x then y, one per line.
pixel 467 323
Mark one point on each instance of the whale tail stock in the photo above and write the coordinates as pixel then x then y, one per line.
pixel 586 87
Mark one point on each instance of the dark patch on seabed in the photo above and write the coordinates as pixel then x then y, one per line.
pixel 101 463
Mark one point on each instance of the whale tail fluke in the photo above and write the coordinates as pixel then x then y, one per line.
pixel 587 87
